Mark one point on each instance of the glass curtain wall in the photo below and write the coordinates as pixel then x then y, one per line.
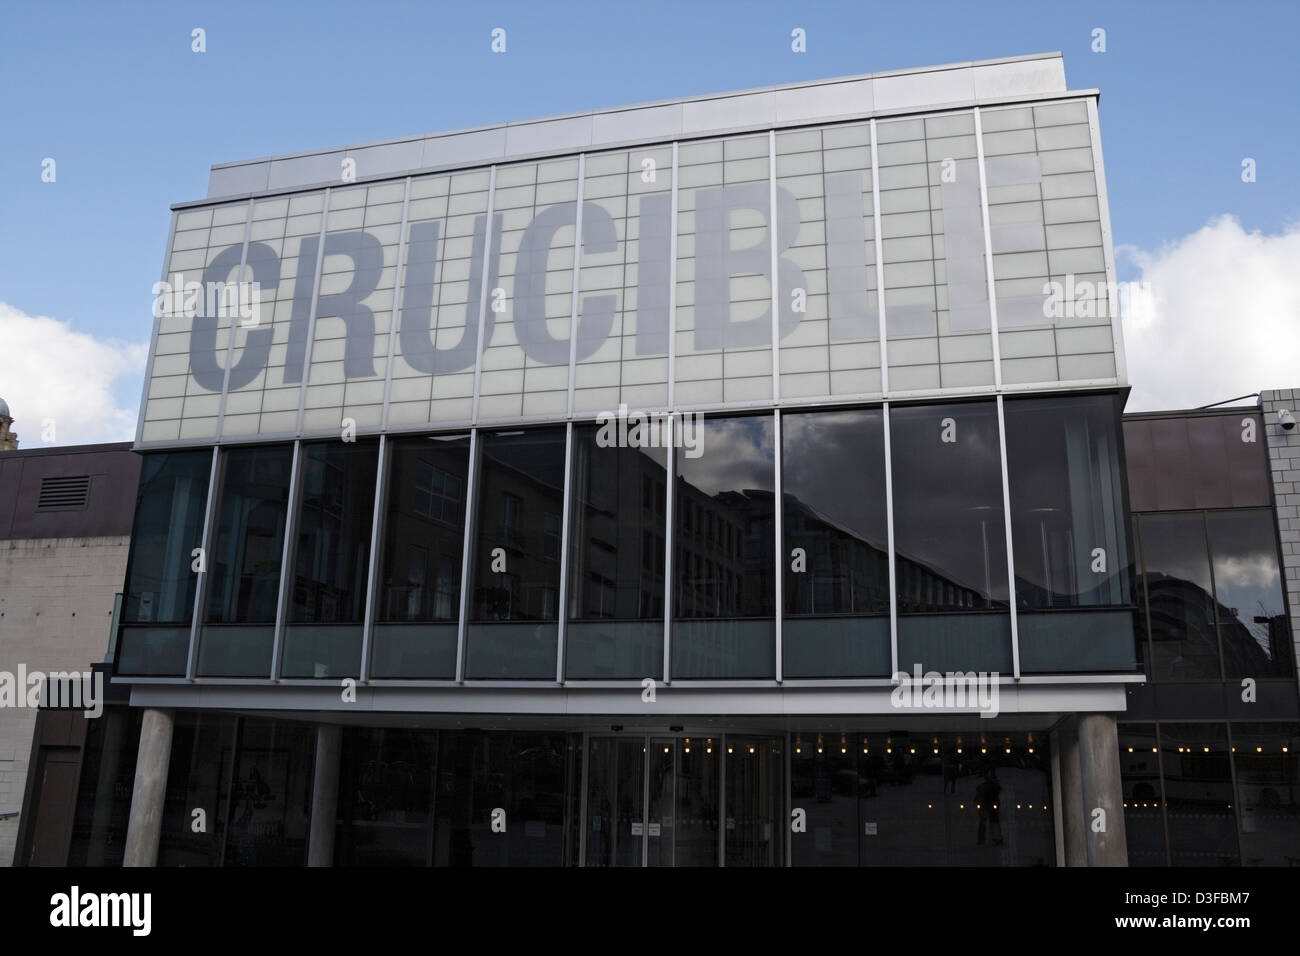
pixel 158 603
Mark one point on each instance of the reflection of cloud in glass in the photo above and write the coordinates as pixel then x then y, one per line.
pixel 1248 571
pixel 834 464
pixel 737 454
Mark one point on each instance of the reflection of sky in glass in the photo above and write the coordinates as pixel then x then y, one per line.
pixel 834 464
pixel 1246 574
pixel 737 455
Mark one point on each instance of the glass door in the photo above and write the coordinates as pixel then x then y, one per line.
pixel 615 816
pixel 657 801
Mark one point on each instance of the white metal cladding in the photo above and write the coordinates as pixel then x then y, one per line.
pixel 961 251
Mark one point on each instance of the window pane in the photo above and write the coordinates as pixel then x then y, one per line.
pixel 949 537
pixel 1253 626
pixel 616 558
pixel 158 605
pixel 1268 786
pixel 1139 767
pixel 1068 528
pixel 1198 793
pixel 723 599
pixel 837 592
pixel 332 559
pixel 1177 574
pixel 512 624
pixel 244 565
pixel 424 540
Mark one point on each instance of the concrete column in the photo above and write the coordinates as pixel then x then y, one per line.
pixel 1098 751
pixel 144 829
pixel 1073 819
pixel 325 795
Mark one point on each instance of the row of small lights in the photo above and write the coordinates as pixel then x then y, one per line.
pixel 889 749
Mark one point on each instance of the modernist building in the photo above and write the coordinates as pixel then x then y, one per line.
pixel 409 582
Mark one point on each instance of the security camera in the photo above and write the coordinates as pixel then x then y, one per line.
pixel 1286 419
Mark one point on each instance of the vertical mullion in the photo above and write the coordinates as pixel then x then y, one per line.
pixel 1006 523
pixel 889 536
pixel 778 523
pixel 395 315
pixel 565 514
pixel 645 800
pixel 239 297
pixel 286 557
pixel 670 533
pixel 776 295
pixel 880 286
pixel 205 543
pixel 467 547
pixel 376 544
pixel 577 272
pixel 311 317
pixel 993 301
pixel 672 288
pixel 479 344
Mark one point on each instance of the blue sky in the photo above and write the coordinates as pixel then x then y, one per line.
pixel 134 119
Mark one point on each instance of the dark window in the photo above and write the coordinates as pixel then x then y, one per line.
pixel 612 632
pixel 1144 823
pixel 1267 760
pixel 332 559
pixel 1198 793
pixel 1253 628
pixel 1176 574
pixel 158 606
pixel 423 543
pixel 717 631
pixel 512 626
pixel 949 537
pixel 244 564
pixel 837 584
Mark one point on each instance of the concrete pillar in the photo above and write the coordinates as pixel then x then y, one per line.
pixel 144 829
pixel 325 795
pixel 1098 751
pixel 1073 819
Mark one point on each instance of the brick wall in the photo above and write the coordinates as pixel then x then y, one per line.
pixel 56 608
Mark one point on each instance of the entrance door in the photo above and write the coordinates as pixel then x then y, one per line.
pixel 658 801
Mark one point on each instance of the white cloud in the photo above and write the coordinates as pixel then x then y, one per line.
pixel 1221 317
pixel 51 372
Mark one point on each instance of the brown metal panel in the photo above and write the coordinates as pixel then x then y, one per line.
pixel 1137 454
pixel 1171 464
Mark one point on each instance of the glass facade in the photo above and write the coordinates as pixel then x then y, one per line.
pixel 1211 794
pixel 579 540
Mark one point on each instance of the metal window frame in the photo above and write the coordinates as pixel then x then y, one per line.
pixel 377 530
pixel 778 525
pixel 566 513
pixel 467 550
pixel 670 535
pixel 286 558
pixel 201 584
